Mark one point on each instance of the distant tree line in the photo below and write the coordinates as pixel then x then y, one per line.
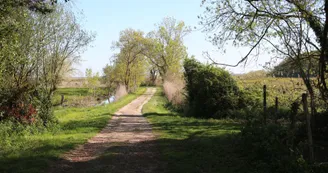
pixel 291 68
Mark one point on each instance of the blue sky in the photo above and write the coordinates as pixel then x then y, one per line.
pixel 107 18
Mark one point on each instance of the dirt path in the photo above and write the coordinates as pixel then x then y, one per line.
pixel 124 145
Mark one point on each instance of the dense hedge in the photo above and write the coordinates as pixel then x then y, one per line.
pixel 211 91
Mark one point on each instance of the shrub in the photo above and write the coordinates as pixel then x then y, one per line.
pixel 21 112
pixel 26 105
pixel 46 113
pixel 268 150
pixel 210 90
pixel 13 134
pixel 16 106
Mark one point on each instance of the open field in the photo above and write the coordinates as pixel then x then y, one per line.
pixel 194 145
pixel 287 90
pixel 29 149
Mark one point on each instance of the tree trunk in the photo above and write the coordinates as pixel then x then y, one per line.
pixel 308 126
pixel 309 88
pixel 153 76
pixel 313 110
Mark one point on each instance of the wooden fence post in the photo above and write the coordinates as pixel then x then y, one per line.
pixel 62 99
pixel 264 104
pixel 308 126
pixel 294 109
pixel 276 109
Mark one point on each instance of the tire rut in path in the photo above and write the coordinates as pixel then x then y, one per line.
pixel 126 144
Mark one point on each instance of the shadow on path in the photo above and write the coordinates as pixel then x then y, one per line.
pixel 124 145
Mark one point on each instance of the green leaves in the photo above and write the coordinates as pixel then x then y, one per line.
pixel 211 91
pixel 36 54
pixel 92 80
pixel 129 65
pixel 166 49
pixel 288 29
pixel 162 50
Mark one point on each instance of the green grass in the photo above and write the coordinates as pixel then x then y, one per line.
pixel 194 145
pixel 77 96
pixel 31 152
pixel 287 90
pixel 73 91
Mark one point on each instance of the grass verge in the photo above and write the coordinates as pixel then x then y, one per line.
pixel 33 151
pixel 194 145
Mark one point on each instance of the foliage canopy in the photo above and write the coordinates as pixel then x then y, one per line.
pixel 210 90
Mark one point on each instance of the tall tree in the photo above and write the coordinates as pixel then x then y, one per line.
pixel 290 28
pixel 62 36
pixel 109 78
pixel 165 46
pixel 12 15
pixel 45 48
pixel 130 64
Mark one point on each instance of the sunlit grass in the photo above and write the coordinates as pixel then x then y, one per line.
pixel 34 152
pixel 288 90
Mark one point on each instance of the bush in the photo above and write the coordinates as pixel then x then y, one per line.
pixel 12 134
pixel 210 90
pixel 268 150
pixel 46 113
pixel 26 107
pixel 21 112
pixel 16 105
